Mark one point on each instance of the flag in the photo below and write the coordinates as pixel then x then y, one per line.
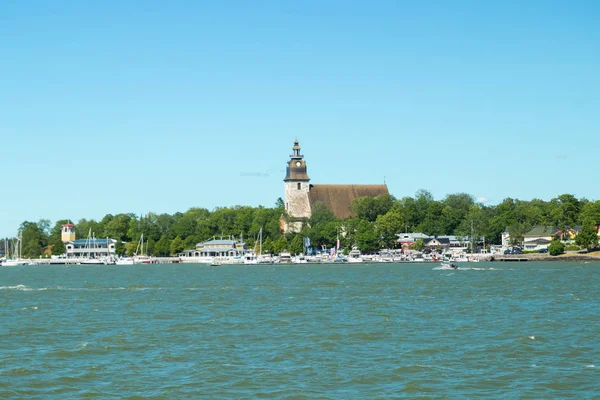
pixel 338 244
pixel 332 251
pixel 307 242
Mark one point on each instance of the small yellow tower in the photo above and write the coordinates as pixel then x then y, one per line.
pixel 68 233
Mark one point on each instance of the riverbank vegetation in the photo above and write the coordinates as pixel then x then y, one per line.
pixel 375 224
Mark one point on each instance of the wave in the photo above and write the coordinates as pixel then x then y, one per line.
pixel 17 287
pixel 63 288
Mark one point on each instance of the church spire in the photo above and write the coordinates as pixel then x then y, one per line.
pixel 296 150
pixel 296 168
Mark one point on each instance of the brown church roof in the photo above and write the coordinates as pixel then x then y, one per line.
pixel 338 197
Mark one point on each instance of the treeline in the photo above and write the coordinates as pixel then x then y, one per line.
pixel 375 225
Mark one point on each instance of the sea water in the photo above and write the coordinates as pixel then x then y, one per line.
pixel 496 330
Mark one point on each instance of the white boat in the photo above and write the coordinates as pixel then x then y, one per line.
pixel 140 256
pixel 447 265
pixel 285 258
pixel 355 256
pixel 93 261
pixel 214 263
pixel 125 261
pixel 14 263
pixel 299 259
pixel 266 259
pixel 17 260
pixel 250 258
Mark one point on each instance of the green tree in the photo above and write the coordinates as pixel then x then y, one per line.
pixel 455 208
pixel 516 232
pixel 268 246
pixel 117 227
pixel 432 224
pixel 564 210
pixel 177 245
pixel 419 244
pixel 323 226
pixel 590 210
pixel 369 208
pixel 388 225
pixel 162 247
pixel 33 239
pixel 556 247
pixel 85 228
pixel 281 245
pixel 588 235
pixel 296 245
pixel 366 238
pixel 120 248
pixel 190 242
pixel 58 248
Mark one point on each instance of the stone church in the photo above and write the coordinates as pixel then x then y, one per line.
pixel 300 196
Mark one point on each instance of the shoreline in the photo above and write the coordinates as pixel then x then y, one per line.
pixel 546 257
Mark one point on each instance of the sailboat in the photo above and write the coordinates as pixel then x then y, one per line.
pixel 141 256
pixel 90 245
pixel 15 259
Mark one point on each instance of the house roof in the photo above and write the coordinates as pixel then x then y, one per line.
pixel 414 235
pixel 452 238
pixel 542 230
pixel 442 240
pixel 538 241
pixel 220 242
pixel 215 249
pixel 337 198
pixel 91 242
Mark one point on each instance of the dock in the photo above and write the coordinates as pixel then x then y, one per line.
pixel 75 261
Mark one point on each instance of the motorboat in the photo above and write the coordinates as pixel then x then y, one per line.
pixel 355 256
pixel 14 262
pixel 285 258
pixel 215 263
pixel 448 265
pixel 125 261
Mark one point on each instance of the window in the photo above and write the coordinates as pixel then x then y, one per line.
pixel 299 185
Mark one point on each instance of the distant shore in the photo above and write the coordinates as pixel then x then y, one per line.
pixel 594 256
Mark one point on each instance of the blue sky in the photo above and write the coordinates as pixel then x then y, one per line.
pixel 137 106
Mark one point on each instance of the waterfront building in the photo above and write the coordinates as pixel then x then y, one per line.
pixel 223 250
pixel 300 196
pixel 539 237
pixel 407 239
pixel 90 248
pixel 505 239
pixel 451 243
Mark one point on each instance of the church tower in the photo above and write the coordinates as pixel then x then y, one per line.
pixel 296 188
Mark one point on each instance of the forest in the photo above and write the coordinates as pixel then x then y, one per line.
pixel 376 222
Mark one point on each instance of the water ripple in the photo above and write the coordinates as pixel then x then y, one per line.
pixel 351 332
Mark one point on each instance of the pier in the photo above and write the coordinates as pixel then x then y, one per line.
pixel 75 261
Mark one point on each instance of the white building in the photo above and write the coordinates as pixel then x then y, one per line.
pixel 90 248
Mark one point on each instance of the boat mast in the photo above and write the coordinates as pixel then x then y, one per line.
pixel 472 238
